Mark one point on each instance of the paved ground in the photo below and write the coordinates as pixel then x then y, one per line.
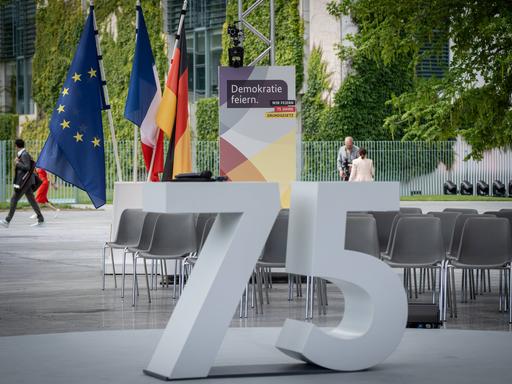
pixel 50 281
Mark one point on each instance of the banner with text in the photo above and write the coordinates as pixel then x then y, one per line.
pixel 258 125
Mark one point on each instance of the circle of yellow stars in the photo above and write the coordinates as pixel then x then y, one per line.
pixel 79 137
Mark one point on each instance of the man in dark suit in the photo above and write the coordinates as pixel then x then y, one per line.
pixel 24 180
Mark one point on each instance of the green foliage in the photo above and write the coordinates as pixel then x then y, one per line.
pixel 8 125
pixel 59 25
pixel 481 32
pixel 207 119
pixel 360 104
pixel 289 31
pixel 35 129
pixel 314 107
pixel 58 28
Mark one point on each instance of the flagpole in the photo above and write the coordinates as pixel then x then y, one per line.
pixel 105 94
pixel 176 42
pixel 135 127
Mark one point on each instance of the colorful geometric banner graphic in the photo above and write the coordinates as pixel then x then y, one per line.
pixel 258 125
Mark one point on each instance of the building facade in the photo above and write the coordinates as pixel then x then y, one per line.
pixel 203 25
pixel 17 43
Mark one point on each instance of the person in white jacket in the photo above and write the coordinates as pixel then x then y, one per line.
pixel 362 168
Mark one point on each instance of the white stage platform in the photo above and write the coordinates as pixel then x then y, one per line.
pixel 424 356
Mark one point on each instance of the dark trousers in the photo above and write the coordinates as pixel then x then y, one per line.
pixel 16 196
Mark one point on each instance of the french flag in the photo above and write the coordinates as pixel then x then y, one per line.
pixel 143 99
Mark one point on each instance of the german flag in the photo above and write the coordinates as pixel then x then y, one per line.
pixel 172 115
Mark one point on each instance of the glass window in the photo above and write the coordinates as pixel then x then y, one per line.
pixel 204 42
pixel 200 48
pixel 214 72
pixel 200 81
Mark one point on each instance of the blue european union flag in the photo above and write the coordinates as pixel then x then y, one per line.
pixel 74 150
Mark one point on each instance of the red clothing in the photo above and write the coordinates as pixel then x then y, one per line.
pixel 42 191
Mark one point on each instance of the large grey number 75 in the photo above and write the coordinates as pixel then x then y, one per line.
pixel 375 303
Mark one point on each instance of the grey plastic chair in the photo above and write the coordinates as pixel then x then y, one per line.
pixel 361 235
pixel 457 233
pixel 418 243
pixel 461 210
pixel 393 229
pixel 204 224
pixel 272 256
pixel 384 220
pixel 128 235
pixel 174 238
pixel 486 243
pixel 410 210
pixel 148 228
pixel 506 214
pixel 447 225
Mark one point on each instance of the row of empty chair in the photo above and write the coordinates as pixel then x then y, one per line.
pixel 158 237
pixel 445 240
pixel 434 244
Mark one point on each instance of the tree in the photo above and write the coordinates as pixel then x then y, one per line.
pixel 473 99
pixel 314 106
pixel 360 105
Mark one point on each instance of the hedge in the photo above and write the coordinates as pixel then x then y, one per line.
pixel 8 125
pixel 207 119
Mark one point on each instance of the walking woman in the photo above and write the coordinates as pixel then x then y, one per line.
pixel 42 191
pixel 362 168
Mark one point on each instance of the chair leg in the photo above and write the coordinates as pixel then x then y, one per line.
pixel 147 279
pixel 326 301
pixel 290 288
pixel 174 280
pixel 164 262
pixel 163 277
pixel 415 284
pixel 433 273
pixel 462 285
pixel 259 282
pixel 134 285
pixel 509 294
pixel 124 272
pixel 421 281
pixel 312 296
pixel 104 267
pixel 246 303
pixel 254 293
pixel 442 289
pixel 253 290
pixel 307 297
pixel 500 291
pixel 266 282
pixel 454 293
pixel 113 267
pixel 182 277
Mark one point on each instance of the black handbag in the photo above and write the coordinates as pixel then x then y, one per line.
pixel 37 182
pixel 33 174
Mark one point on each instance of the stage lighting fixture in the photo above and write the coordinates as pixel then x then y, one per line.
pixel 449 188
pixel 482 188
pixel 466 188
pixel 498 189
pixel 236 51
